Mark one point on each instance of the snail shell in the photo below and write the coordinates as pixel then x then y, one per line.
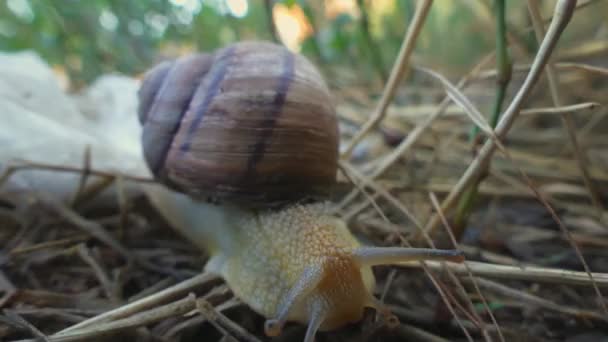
pixel 251 123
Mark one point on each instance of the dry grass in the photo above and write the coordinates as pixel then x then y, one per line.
pixel 536 244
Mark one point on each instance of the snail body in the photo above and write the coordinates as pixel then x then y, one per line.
pixel 252 126
pixel 262 254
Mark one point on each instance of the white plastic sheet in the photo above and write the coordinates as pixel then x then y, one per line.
pixel 40 123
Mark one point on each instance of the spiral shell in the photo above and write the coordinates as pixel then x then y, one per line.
pixel 251 123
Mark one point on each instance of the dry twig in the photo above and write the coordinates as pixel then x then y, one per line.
pixel 400 69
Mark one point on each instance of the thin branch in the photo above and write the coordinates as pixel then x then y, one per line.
pixel 144 303
pixel 563 14
pixel 530 299
pixel 18 165
pixel 400 69
pixel 268 6
pixel 19 321
pixel 567 121
pixel 417 132
pixel 528 273
pixel 373 48
pixel 503 65
pixel 347 169
pixel 454 241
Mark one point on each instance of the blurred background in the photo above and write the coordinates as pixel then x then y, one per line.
pixel 84 39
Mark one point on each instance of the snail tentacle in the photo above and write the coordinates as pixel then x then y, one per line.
pixel 305 285
pixel 318 312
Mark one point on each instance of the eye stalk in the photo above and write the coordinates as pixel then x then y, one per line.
pixel 311 277
pixel 372 256
pixel 335 293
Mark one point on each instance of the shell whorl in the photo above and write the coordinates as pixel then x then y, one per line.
pixel 251 123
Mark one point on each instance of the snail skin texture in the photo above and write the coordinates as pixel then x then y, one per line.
pixel 288 262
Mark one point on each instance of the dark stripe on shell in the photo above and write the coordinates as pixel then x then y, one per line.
pixel 160 162
pixel 150 89
pixel 212 91
pixel 277 106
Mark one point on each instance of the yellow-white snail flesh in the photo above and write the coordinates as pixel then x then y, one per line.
pixel 253 127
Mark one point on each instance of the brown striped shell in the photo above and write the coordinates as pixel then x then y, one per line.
pixel 251 123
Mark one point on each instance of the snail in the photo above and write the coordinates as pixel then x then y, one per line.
pixel 245 143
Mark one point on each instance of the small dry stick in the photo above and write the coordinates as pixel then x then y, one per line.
pixel 21 322
pixel 585 67
pixel 478 118
pixel 94 332
pixel 214 315
pixel 529 273
pixel 144 303
pixel 565 232
pixel 563 14
pixel 567 121
pixel 560 65
pixel 198 320
pixel 474 113
pixel 91 227
pixel 18 165
pixel 208 312
pixel 579 107
pixel 416 133
pixel 17 251
pixel 348 170
pixel 86 167
pixel 580 5
pixel 421 112
pixel 7 287
pixel 100 273
pixel 448 229
pixel 530 299
pixel 400 69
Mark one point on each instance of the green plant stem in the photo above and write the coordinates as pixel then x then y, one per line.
pixel 504 68
pixel 268 5
pixel 308 12
pixel 374 49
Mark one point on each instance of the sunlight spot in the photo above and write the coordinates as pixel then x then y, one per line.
pixel 292 25
pixel 191 6
pixel 158 23
pixel 238 8
pixel 136 27
pixel 334 8
pixel 108 20
pixel 21 8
